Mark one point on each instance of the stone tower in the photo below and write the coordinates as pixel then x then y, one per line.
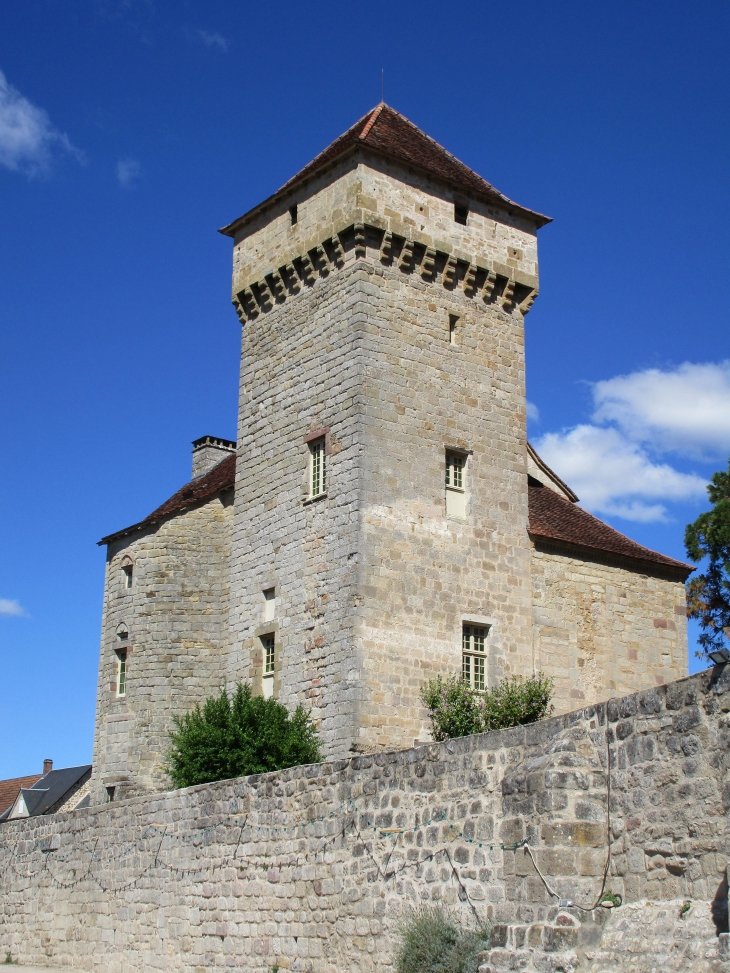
pixel 380 514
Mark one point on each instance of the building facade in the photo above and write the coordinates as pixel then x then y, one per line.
pixel 381 518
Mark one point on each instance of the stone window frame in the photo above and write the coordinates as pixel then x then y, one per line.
pixel 258 660
pixel 120 682
pixel 309 440
pixel 455 493
pixel 476 621
pixel 127 567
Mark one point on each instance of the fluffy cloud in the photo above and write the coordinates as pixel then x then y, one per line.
pixel 8 607
pixel 533 413
pixel 685 410
pixel 615 476
pixel 128 171
pixel 213 40
pixel 28 139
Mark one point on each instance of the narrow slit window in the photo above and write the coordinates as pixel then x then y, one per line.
pixel 127 573
pixel 461 213
pixel 293 214
pixel 269 604
pixel 455 477
pixel 453 318
pixel 268 644
pixel 121 672
pixel 474 656
pixel 318 467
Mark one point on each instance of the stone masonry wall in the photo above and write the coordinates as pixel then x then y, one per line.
pixel 601 629
pixel 311 868
pixel 176 614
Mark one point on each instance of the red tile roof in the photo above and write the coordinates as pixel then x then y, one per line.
pixel 556 519
pixel 387 132
pixel 221 477
pixel 9 789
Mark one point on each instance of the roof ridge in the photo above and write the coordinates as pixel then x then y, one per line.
pixel 374 115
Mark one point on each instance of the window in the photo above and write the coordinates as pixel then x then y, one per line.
pixel 269 604
pixel 461 213
pixel 455 497
pixel 268 644
pixel 318 468
pixel 121 672
pixel 453 318
pixel 110 794
pixel 473 657
pixel 127 575
pixel 293 214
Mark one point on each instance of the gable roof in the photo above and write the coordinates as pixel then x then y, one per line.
pixel 221 477
pixel 551 475
pixel 388 133
pixel 556 519
pixel 9 789
pixel 49 790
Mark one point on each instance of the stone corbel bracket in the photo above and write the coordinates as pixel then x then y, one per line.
pixel 487 281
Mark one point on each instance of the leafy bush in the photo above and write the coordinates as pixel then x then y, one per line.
pixel 431 941
pixel 456 710
pixel 234 737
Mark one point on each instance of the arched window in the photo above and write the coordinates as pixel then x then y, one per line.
pixel 127 572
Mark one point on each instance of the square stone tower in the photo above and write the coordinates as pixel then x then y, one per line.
pixel 380 531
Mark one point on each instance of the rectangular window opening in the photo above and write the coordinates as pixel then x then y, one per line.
pixel 455 477
pixel 453 318
pixel 474 656
pixel 461 213
pixel 110 794
pixel 121 672
pixel 293 214
pixel 127 575
pixel 318 468
pixel 268 644
pixel 269 604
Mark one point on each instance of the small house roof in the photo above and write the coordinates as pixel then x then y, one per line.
pixel 49 790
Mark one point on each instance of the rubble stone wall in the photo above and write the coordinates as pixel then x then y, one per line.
pixel 311 868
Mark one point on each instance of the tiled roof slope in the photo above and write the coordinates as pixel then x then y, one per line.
pixel 391 134
pixel 221 477
pixel 556 519
pixel 9 789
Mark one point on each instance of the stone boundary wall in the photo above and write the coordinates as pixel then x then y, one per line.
pixel 310 869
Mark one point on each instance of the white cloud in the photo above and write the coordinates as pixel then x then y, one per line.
pixel 684 410
pixel 128 171
pixel 213 40
pixel 614 476
pixel 10 607
pixel 533 412
pixel 27 136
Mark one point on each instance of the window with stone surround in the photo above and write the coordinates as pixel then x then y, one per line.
pixel 474 656
pixel 317 468
pixel 269 604
pixel 127 572
pixel 121 672
pixel 461 213
pixel 268 644
pixel 455 484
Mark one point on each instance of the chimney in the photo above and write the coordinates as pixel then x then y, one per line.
pixel 208 451
pixel 47 766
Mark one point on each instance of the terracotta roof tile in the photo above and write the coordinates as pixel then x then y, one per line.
pixel 556 519
pixel 221 477
pixel 9 789
pixel 391 134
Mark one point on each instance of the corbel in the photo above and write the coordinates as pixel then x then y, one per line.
pixel 406 257
pixel 508 296
pixel 337 251
pixel 238 308
pixel 262 292
pixel 428 264
pixel 276 285
pixel 528 301
pixel 360 247
pixel 386 247
pixel 291 278
pixel 470 281
pixel 305 263
pixel 489 285
pixel 321 260
pixel 450 272
pixel 248 302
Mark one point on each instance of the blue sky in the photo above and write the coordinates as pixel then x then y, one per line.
pixel 131 129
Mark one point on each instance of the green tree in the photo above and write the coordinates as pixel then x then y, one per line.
pixel 708 594
pixel 234 737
